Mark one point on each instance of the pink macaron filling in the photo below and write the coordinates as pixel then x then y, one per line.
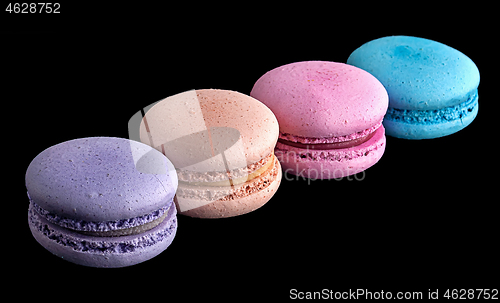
pixel 326 146
pixel 348 141
pixel 332 163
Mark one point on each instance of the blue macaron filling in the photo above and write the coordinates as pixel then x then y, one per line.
pixel 435 116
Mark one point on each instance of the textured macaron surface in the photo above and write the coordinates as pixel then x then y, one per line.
pixel 256 123
pixel 319 99
pixel 418 74
pixel 194 126
pixel 101 179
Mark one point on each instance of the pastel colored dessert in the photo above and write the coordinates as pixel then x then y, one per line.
pixel 102 202
pixel 221 144
pixel 432 87
pixel 330 117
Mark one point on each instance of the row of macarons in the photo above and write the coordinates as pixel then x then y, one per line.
pixel 112 202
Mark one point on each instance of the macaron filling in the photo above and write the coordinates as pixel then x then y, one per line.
pixel 81 242
pixel 196 190
pixel 227 177
pixel 255 184
pixel 330 143
pixel 326 146
pixel 435 116
pixel 293 155
pixel 234 177
pixel 131 226
pixel 127 231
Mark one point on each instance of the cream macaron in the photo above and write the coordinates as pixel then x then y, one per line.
pixel 221 143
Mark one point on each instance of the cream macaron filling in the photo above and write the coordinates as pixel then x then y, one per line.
pixel 236 177
pixel 127 231
pixel 258 180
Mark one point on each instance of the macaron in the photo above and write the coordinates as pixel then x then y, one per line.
pixel 221 143
pixel 330 117
pixel 432 87
pixel 102 202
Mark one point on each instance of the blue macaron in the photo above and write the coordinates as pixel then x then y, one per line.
pixel 432 87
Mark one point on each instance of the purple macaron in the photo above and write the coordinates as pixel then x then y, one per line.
pixel 102 202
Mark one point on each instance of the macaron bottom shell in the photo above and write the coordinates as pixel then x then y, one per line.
pixel 331 164
pixel 108 252
pixel 399 128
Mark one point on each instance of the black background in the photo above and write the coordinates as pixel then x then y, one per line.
pixel 423 217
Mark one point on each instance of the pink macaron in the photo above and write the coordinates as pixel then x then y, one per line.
pixel 330 117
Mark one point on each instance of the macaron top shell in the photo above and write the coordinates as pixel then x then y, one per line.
pixel 418 73
pixel 256 123
pixel 200 125
pixel 322 99
pixel 101 179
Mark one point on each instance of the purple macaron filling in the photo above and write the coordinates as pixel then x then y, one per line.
pixel 89 244
pixel 89 226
